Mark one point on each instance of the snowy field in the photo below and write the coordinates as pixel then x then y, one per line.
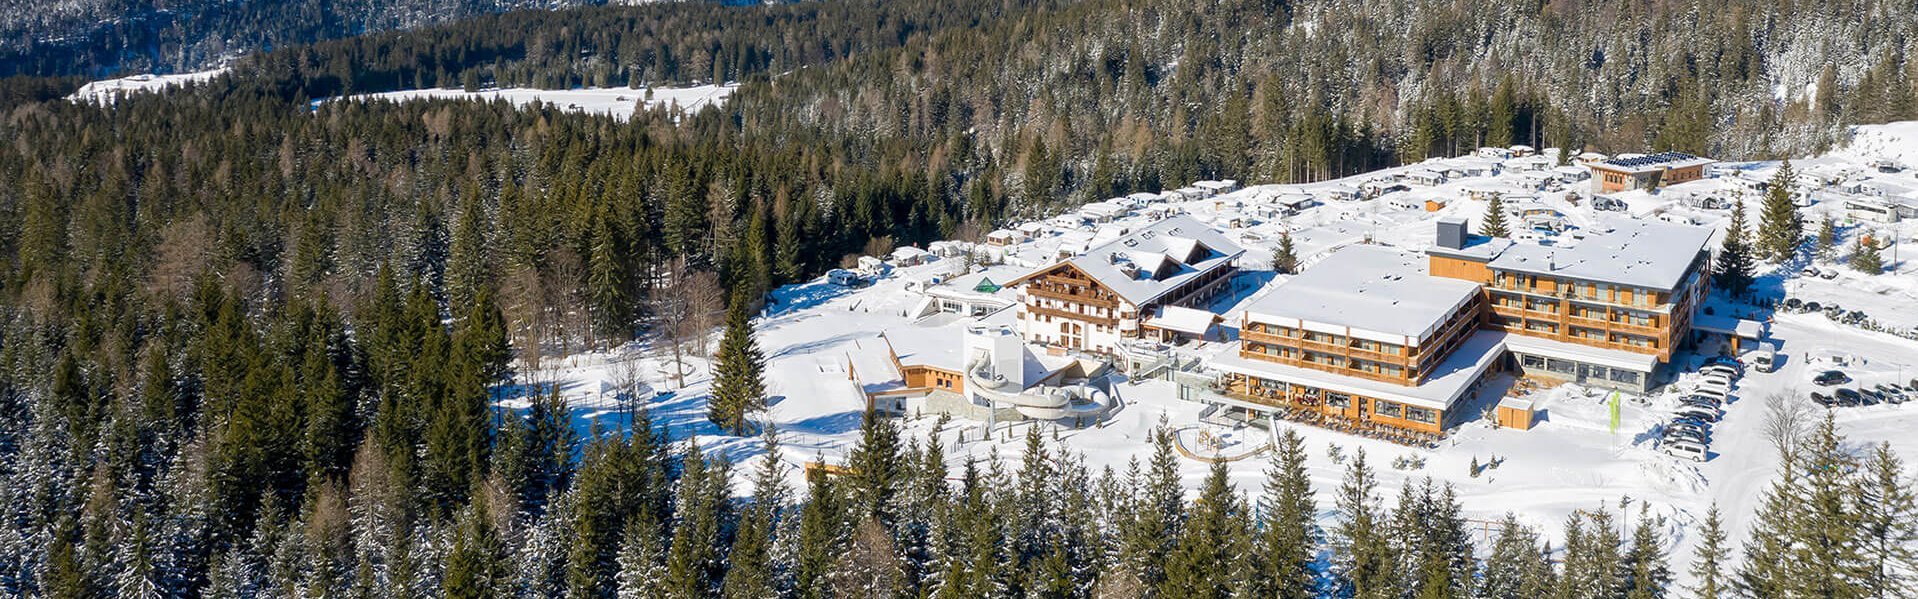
pixel 105 91
pixel 617 102
pixel 1571 460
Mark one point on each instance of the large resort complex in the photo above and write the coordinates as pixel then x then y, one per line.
pixel 1367 337
pixel 1379 336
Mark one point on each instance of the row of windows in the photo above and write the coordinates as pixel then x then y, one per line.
pixel 1570 369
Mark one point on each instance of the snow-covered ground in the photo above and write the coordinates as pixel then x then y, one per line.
pixel 1571 460
pixel 105 91
pixel 618 102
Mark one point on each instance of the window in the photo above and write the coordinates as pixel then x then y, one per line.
pixel 1389 409
pixel 1417 414
pixel 1531 361
pixel 1560 366
pixel 1625 376
pixel 1338 400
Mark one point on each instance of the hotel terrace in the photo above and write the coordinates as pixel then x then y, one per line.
pixel 1374 337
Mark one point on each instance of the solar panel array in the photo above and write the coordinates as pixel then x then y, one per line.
pixel 1651 159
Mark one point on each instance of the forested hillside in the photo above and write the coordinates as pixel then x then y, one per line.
pixel 101 37
pixel 246 339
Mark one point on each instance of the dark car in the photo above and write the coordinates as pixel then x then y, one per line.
pixel 1848 397
pixel 1813 307
pixel 1793 304
pixel 1821 399
pixel 1686 435
pixel 1831 377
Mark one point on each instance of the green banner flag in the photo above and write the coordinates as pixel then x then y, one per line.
pixel 1615 403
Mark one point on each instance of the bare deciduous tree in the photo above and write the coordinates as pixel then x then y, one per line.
pixel 685 308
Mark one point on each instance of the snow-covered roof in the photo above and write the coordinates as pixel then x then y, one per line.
pixel 1366 291
pixel 1184 320
pixel 1447 383
pixel 1165 254
pixel 1622 251
pixel 941 347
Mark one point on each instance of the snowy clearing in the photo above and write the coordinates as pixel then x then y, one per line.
pixel 617 102
pixel 105 91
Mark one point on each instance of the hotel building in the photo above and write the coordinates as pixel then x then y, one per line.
pixel 1117 290
pixel 1378 337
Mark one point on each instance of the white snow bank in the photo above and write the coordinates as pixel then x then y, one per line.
pixel 617 102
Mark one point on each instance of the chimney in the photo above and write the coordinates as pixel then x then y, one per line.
pixel 1451 233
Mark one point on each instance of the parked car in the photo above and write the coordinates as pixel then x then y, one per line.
pixel 1722 385
pixel 1831 377
pixel 1697 413
pixel 1792 304
pixel 1828 274
pixel 1812 307
pixel 1686 450
pixel 1716 394
pixel 1822 399
pixel 1725 370
pixel 1848 397
pixel 1688 423
pixel 1892 393
pixel 1686 434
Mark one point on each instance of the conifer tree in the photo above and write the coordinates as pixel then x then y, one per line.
pixel 1289 537
pixel 1888 526
pixel 695 561
pixel 750 571
pixel 1710 558
pixel 1202 562
pixel 1867 258
pixel 1765 571
pixel 1646 571
pixel 1826 248
pixel 1159 508
pixel 475 567
pixel 820 539
pixel 1734 265
pixel 1593 567
pixel 1780 227
pixel 1285 258
pixel 1517 565
pixel 739 388
pixel 877 469
pixel 1494 222
pixel 642 568
pixel 1825 558
pixel 1363 566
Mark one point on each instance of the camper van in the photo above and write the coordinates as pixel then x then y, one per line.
pixel 1764 359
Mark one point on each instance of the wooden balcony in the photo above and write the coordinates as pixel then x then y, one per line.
pixel 1057 313
pixel 1083 298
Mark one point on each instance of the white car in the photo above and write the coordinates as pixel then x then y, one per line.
pixel 1721 387
pixel 1719 369
pixel 1713 393
pixel 1684 449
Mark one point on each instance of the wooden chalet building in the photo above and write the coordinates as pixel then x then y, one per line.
pixel 1096 300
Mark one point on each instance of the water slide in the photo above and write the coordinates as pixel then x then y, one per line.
pixel 1040 402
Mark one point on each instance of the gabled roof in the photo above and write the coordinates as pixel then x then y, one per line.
pixel 1148 262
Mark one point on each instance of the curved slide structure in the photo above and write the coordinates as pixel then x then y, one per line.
pixel 1040 403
